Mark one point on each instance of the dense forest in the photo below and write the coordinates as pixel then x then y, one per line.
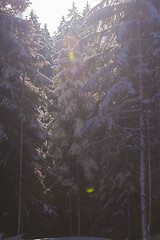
pixel 80 121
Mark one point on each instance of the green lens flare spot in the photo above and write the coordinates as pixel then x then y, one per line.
pixel 90 190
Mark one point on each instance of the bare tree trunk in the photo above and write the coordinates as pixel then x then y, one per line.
pixel 142 181
pixel 90 216
pixel 78 199
pixel 150 186
pixel 21 162
pixel 129 218
pixel 20 180
pixel 142 146
pixel 79 232
pixel 70 217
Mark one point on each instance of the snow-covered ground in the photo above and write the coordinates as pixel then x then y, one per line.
pixel 64 238
pixel 156 237
pixel 75 238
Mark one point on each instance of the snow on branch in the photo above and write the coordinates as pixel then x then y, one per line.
pixel 5 84
pixel 9 44
pixel 149 11
pixel 50 94
pixel 127 102
pixel 64 98
pixel 123 28
pixel 78 126
pixel 100 14
pixel 48 209
pixel 122 57
pixel 106 12
pixel 74 71
pixel 93 58
pixel 122 86
pixel 84 41
pixel 11 22
pixel 97 7
pixel 9 72
pixel 40 78
pixel 90 38
pixel 89 165
pixel 6 103
pixel 92 123
pixel 24 53
pixel 91 81
pixel 3 136
pixel 111 53
pixel 16 5
pixel 8 41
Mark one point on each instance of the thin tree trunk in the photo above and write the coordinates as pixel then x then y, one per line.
pixel 129 218
pixel 79 232
pixel 142 180
pixel 70 217
pixel 20 180
pixel 21 162
pixel 142 147
pixel 90 216
pixel 78 199
pixel 150 186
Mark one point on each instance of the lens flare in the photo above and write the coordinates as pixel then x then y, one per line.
pixel 90 190
pixel 71 56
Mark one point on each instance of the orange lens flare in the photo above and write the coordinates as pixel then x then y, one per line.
pixel 71 56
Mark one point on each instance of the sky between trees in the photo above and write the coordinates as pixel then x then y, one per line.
pixel 51 12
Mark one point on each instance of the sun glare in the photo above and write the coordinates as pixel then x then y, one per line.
pixel 51 11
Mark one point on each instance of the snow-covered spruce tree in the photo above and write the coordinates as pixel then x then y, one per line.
pixel 21 134
pixel 74 19
pixel 63 29
pixel 124 40
pixel 69 26
pixel 47 51
pixel 36 24
pixel 46 45
pixel 86 9
pixel 65 127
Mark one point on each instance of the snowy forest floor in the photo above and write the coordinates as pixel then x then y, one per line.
pixel 65 238
pixel 156 237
